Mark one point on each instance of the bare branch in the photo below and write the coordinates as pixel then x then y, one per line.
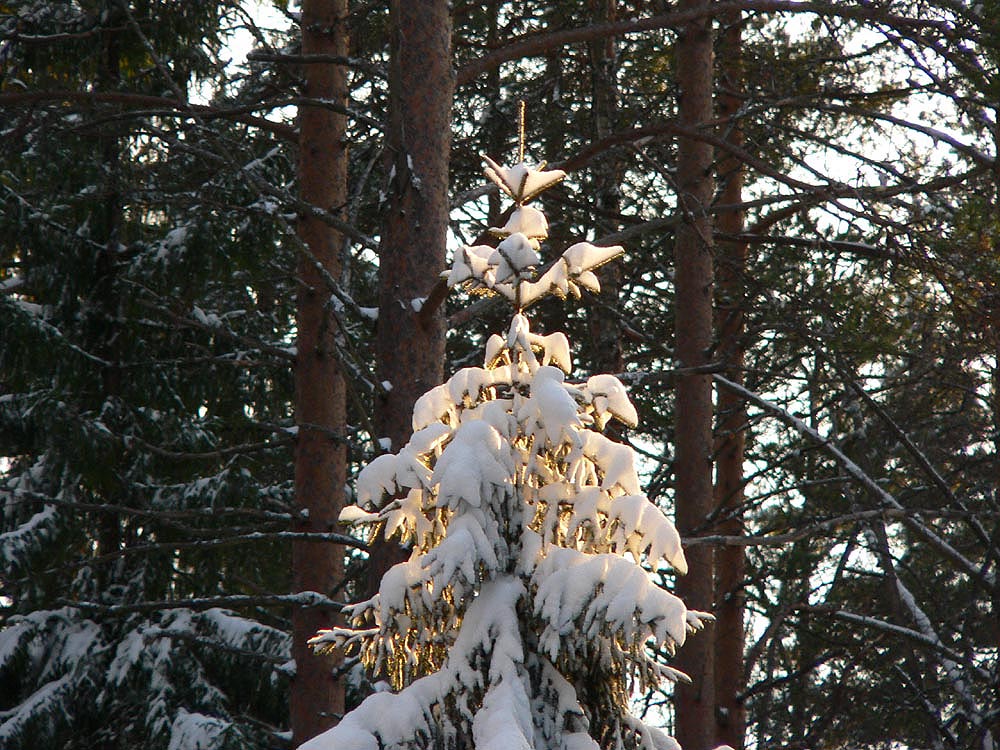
pixel 977 575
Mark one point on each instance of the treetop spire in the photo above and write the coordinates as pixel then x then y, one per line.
pixel 510 268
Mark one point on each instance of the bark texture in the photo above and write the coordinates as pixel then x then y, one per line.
pixel 695 703
pixel 731 261
pixel 317 699
pixel 602 311
pixel 410 343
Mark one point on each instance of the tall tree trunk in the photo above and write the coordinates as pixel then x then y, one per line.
pixel 410 340
pixel 320 459
pixel 991 734
pixel 602 318
pixel 107 298
pixel 731 260
pixel 498 131
pixel 693 274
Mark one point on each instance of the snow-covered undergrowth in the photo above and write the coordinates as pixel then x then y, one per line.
pixel 523 616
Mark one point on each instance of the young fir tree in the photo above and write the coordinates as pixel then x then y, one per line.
pixel 525 613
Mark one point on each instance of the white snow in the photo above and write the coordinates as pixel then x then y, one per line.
pixel 435 405
pixel 466 385
pixel 469 465
pixel 195 731
pixel 610 399
pixel 521 182
pixel 584 256
pixel 551 412
pixel 352 514
pixel 16 544
pixel 513 258
pixel 377 480
pixel 48 699
pixel 525 220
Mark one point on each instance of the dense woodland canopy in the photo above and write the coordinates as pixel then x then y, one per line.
pixel 208 259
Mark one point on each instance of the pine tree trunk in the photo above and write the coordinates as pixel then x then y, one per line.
pixel 695 704
pixel 106 329
pixel 731 260
pixel 604 324
pixel 410 342
pixel 497 130
pixel 320 470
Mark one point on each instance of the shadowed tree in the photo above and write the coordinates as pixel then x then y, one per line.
pixel 730 429
pixel 410 337
pixel 320 455
pixel 693 264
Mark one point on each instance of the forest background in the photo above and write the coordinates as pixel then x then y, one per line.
pixel 194 250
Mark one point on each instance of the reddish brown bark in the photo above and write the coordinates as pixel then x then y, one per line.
pixel 410 345
pixel 316 697
pixel 731 260
pixel 605 326
pixel 693 279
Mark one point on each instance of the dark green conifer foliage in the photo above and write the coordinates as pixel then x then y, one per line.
pixel 145 389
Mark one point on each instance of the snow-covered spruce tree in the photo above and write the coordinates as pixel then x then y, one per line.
pixel 523 616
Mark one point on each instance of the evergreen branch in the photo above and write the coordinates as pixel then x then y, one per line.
pixel 17 37
pixel 191 322
pixel 194 513
pixel 540 43
pixel 768 539
pixel 203 544
pixel 251 538
pixel 888 627
pixel 163 106
pixel 216 645
pixel 922 461
pixel 306 599
pixel 314 59
pixel 231 450
pixel 904 600
pixel 862 249
pixel 641 377
pixel 802 201
pixel 340 109
pixel 324 215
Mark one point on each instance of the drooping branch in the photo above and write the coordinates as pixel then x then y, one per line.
pixel 304 599
pixel 776 539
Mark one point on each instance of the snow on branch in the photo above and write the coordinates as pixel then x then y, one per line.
pixel 976 573
pixel 509 269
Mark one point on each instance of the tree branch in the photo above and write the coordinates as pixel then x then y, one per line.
pixel 165 107
pixel 539 43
